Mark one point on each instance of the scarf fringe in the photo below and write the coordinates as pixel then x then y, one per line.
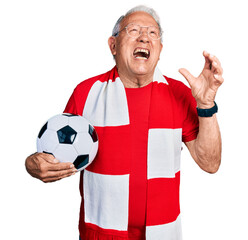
pixel 91 234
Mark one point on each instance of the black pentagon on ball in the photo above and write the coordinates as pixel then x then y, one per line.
pixel 81 161
pixel 43 129
pixel 48 153
pixel 93 134
pixel 69 115
pixel 66 135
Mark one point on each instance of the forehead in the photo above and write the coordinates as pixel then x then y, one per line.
pixel 141 18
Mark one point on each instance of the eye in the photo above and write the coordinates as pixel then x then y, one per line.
pixel 133 29
pixel 154 32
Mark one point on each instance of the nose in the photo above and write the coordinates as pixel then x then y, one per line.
pixel 143 35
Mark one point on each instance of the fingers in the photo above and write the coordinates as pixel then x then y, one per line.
pixel 208 63
pixel 51 172
pixel 213 64
pixel 60 166
pixel 52 176
pixel 48 157
pixel 53 164
pixel 188 76
pixel 46 168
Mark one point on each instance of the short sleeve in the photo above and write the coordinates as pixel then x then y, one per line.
pixel 71 106
pixel 79 96
pixel 190 118
pixel 187 107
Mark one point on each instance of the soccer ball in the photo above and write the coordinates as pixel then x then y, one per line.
pixel 69 138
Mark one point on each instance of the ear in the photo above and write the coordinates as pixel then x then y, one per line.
pixel 161 47
pixel 112 45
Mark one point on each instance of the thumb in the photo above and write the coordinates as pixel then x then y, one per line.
pixel 187 75
pixel 49 158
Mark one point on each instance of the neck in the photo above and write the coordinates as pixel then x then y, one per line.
pixel 136 81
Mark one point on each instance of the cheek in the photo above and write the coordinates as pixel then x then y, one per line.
pixel 121 47
pixel 124 51
pixel 126 45
pixel 157 51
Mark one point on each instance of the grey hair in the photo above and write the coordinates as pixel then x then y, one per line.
pixel 140 8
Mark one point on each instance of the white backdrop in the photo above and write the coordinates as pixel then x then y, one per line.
pixel 47 47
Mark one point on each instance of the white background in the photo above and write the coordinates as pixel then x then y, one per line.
pixel 47 47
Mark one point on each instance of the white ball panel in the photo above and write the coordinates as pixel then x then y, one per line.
pixel 79 124
pixel 57 122
pixel 49 141
pixel 38 144
pixel 93 151
pixel 83 143
pixel 65 153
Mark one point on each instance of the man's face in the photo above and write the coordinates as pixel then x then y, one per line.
pixel 125 48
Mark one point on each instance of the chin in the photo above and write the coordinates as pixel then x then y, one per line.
pixel 141 69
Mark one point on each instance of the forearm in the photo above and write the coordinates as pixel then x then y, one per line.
pixel 207 147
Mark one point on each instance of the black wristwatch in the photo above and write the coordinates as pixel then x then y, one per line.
pixel 207 112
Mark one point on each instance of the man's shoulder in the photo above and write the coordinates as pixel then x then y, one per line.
pixel 179 89
pixel 88 83
pixel 175 83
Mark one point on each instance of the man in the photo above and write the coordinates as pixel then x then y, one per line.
pixel 131 190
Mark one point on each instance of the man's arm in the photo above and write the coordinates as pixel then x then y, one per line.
pixel 206 148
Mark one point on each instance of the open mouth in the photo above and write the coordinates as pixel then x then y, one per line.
pixel 141 53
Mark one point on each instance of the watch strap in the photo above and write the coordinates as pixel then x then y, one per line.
pixel 207 112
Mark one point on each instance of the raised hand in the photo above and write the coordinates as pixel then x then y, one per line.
pixel 205 86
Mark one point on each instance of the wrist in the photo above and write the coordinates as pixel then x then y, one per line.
pixel 205 105
pixel 207 112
